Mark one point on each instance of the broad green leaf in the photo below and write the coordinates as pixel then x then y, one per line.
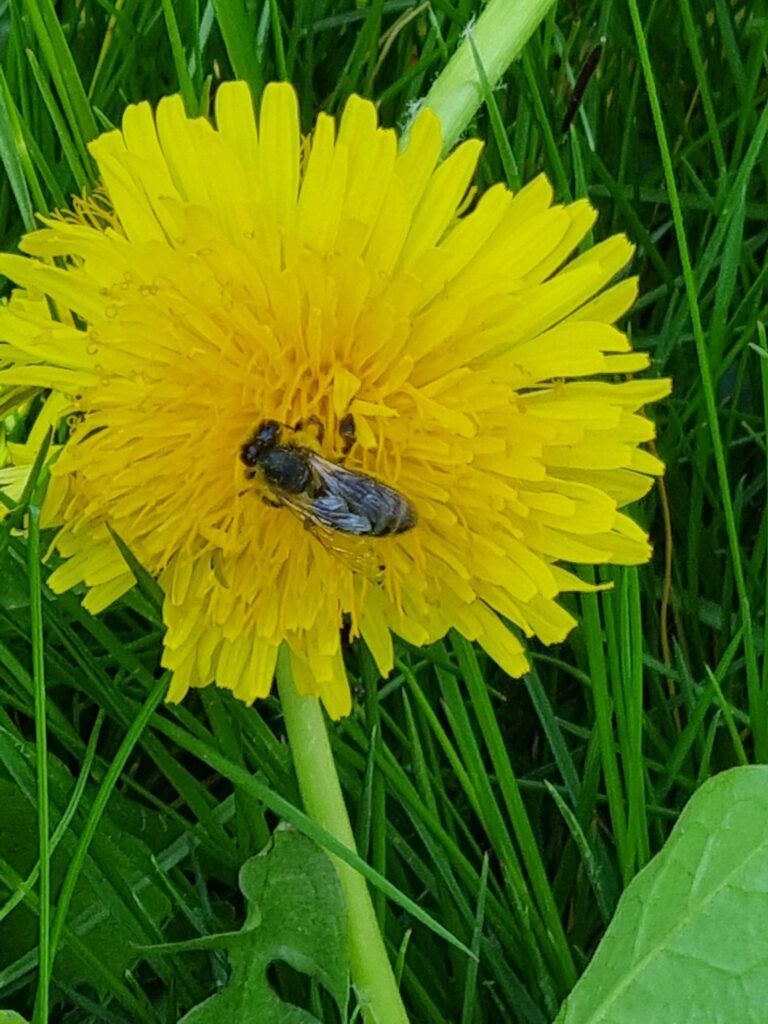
pixel 115 908
pixel 688 940
pixel 295 914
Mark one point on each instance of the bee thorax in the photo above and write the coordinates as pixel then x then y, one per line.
pixel 286 469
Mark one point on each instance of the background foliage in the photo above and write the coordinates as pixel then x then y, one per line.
pixel 514 813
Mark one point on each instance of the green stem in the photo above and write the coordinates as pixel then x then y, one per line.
pixel 42 999
pixel 498 36
pixel 372 974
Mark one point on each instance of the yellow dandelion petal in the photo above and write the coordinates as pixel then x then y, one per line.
pixel 548 620
pixel 609 305
pixel 532 198
pixel 188 151
pixel 279 148
pixel 568 582
pixel 102 595
pixel 623 486
pixel 610 255
pixel 626 544
pixel 258 671
pixel 580 219
pixel 132 206
pixel 627 364
pixel 376 631
pixel 371 154
pixel 323 188
pixel 236 123
pixel 68 289
pixel 144 153
pixel 324 676
pixel 86 564
pixel 440 201
pixel 416 164
pixel 318 383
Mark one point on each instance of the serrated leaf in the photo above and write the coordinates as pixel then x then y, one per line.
pixel 104 925
pixel 296 914
pixel 688 941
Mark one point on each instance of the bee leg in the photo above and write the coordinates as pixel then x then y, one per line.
pixel 316 423
pixel 271 502
pixel 348 433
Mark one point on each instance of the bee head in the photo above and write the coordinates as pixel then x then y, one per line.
pixel 264 438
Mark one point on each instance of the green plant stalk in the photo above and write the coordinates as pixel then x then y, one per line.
pixel 598 674
pixel 372 973
pixel 186 87
pixel 274 17
pixel 237 33
pixel 42 1000
pixel 498 36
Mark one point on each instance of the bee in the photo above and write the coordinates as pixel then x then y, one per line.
pixel 325 494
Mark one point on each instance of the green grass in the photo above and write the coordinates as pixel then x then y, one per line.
pixel 512 813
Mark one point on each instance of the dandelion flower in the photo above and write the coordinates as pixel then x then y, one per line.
pixel 223 276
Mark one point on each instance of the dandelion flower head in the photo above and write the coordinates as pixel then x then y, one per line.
pixel 226 275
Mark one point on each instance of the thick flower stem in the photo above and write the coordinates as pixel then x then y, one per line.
pixel 498 35
pixel 372 974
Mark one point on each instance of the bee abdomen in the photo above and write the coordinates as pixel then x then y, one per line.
pixel 390 512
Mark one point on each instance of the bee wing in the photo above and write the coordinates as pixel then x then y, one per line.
pixel 342 497
pixel 354 502
pixel 330 501
pixel 350 547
